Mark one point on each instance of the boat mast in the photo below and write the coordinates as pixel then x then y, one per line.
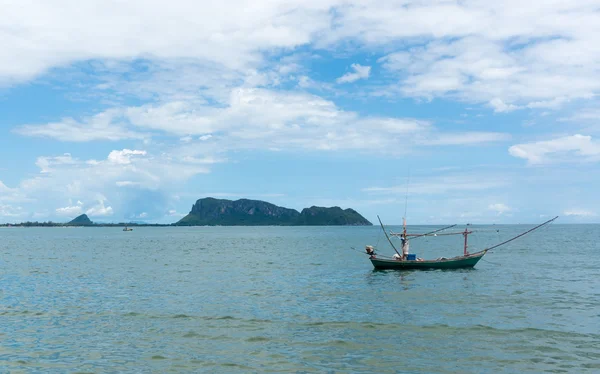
pixel 466 234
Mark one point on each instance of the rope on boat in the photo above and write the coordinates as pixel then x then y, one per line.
pixel 526 232
pixel 493 263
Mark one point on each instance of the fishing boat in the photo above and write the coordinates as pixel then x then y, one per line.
pixel 407 261
pixel 127 229
pixel 458 262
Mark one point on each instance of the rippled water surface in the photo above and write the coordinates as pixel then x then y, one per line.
pixel 294 299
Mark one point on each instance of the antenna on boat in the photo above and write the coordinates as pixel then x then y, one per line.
pixel 406 203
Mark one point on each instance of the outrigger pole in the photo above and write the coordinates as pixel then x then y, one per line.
pixel 526 232
pixel 429 233
pixel 386 235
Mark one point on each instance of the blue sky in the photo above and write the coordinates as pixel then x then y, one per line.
pixel 488 113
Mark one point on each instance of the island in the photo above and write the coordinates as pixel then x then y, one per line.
pixel 82 220
pixel 243 212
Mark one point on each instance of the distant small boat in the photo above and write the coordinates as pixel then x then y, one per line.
pixel 127 229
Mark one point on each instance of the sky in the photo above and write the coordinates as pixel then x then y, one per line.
pixel 465 111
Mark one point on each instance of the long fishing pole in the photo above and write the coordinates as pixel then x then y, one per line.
pixel 526 232
pixel 433 232
pixel 386 235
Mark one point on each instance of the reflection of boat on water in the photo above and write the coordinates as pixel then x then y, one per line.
pixel 409 261
pixel 127 229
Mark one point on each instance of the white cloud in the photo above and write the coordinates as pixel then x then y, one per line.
pixel 266 119
pixel 11 212
pixel 69 211
pixel 579 213
pixel 230 33
pixel 124 157
pixel 584 115
pixel 466 138
pixel 127 184
pixel 174 213
pixel 507 54
pixel 100 210
pixel 360 72
pixel 46 163
pixel 4 189
pixel 500 106
pixel 499 208
pixel 441 185
pixel 11 195
pixel 568 148
pixel 111 178
pixel 103 126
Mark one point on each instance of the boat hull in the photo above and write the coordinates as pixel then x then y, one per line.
pixel 460 262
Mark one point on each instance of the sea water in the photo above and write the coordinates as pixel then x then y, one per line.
pixel 295 299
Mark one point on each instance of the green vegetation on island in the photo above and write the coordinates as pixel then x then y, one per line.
pixel 245 212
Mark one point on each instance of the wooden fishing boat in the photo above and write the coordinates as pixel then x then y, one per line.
pixel 406 261
pixel 458 262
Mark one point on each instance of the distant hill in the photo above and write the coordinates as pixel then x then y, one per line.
pixel 82 220
pixel 319 216
pixel 245 212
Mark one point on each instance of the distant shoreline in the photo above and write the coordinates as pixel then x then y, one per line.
pixel 119 225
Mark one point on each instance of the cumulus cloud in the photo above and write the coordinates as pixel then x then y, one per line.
pixel 579 213
pixel 568 148
pixel 486 52
pixel 47 163
pixel 509 54
pixel 466 138
pixel 100 210
pixel 266 119
pixel 441 185
pixel 360 72
pixel 112 178
pixel 499 208
pixel 11 212
pixel 222 33
pixel 69 211
pixel 103 126
pixel 124 157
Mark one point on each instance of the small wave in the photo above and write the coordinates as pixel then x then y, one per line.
pixel 222 318
pixel 234 365
pixel 258 339
pixel 181 316
pixel 192 334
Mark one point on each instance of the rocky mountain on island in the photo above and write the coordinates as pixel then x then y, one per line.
pixel 82 220
pixel 320 216
pixel 244 212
